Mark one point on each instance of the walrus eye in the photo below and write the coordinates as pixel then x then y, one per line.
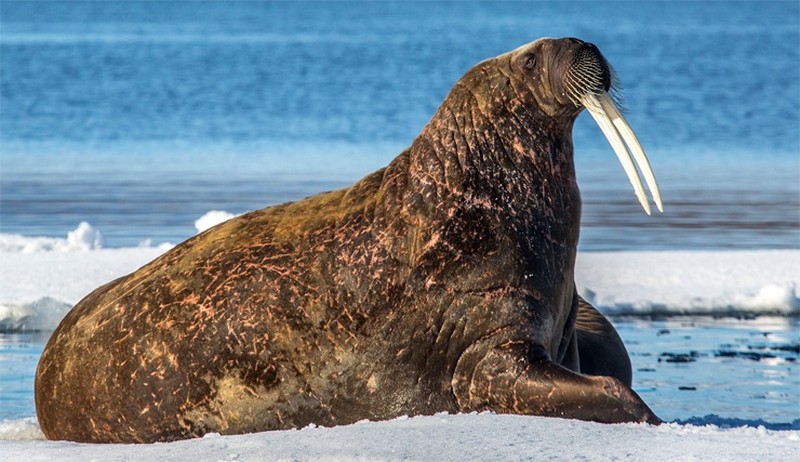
pixel 529 62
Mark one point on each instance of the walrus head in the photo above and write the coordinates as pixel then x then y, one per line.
pixel 581 76
pixel 563 76
pixel 578 76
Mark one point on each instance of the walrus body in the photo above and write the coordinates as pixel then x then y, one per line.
pixel 443 282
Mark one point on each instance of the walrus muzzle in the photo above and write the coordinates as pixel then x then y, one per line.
pixel 587 82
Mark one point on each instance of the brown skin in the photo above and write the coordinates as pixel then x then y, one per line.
pixel 600 349
pixel 443 282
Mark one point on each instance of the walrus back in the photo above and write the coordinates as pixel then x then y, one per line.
pixel 233 331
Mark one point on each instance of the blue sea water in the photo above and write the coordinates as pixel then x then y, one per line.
pixel 141 116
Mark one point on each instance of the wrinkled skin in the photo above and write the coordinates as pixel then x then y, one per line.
pixel 443 282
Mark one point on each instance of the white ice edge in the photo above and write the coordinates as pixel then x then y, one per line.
pixel 687 282
pixel 40 282
pixel 484 436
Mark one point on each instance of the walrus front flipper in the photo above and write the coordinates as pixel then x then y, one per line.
pixel 600 348
pixel 519 378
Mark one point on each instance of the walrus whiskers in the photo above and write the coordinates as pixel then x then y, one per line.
pixel 586 87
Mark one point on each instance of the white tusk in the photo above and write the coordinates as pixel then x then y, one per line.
pixel 595 107
pixel 633 146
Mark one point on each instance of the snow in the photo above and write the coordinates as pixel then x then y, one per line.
pixel 84 237
pixel 41 278
pixel 37 288
pixel 691 282
pixel 444 437
pixel 211 219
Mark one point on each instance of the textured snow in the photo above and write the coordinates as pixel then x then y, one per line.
pixel 441 437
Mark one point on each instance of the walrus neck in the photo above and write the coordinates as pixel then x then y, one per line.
pixel 518 161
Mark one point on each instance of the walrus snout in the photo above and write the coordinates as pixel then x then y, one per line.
pixel 587 81
pixel 562 71
pixel 587 73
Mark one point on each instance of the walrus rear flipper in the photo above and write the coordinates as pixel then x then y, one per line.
pixel 600 348
pixel 519 378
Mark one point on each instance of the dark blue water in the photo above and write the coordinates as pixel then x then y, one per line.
pixel 140 117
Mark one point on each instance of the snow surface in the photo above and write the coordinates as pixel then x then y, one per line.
pixel 691 282
pixel 444 437
pixel 41 278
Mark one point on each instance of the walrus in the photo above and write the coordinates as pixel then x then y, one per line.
pixel 440 283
